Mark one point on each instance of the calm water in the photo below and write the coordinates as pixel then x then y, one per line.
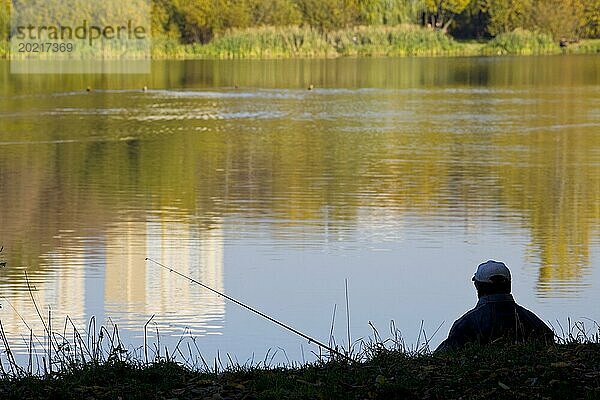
pixel 400 175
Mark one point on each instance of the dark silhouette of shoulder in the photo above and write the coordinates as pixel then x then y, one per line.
pixel 497 317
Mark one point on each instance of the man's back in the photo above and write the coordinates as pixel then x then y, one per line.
pixel 496 316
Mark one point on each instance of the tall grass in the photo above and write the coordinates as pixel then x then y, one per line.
pixel 271 42
pixel 521 42
pixel 403 40
pixel 585 46
pixel 66 348
pixel 69 348
pixel 363 41
pixel 306 42
pixel 384 369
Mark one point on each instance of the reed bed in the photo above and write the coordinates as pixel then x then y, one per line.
pixel 403 40
pixel 521 42
pixel 306 42
pixel 69 348
pixel 363 41
pixel 584 46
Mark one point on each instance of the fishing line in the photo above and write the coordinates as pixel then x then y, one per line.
pixel 247 307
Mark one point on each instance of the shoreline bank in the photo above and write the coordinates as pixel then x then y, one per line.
pixel 362 41
pixel 505 372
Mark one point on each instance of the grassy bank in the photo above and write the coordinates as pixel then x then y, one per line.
pixel 501 372
pixel 521 42
pixel 95 364
pixel 294 42
pixel 367 41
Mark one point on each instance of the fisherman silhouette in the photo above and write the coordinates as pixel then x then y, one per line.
pixel 496 316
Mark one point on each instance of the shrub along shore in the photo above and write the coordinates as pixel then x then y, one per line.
pixel 567 371
pixel 362 41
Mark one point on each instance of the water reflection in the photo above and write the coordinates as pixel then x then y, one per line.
pixel 107 277
pixel 134 287
pixel 385 160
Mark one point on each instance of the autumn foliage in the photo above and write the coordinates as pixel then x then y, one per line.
pixel 200 21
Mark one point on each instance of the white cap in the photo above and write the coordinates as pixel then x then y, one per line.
pixel 489 269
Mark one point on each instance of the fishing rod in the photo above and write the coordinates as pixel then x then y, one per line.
pixel 247 307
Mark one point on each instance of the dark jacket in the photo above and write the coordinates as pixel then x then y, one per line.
pixel 496 316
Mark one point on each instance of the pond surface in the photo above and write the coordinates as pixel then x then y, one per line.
pixel 399 175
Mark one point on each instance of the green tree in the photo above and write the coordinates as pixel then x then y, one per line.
pixel 472 22
pixel 559 18
pixel 164 19
pixel 329 14
pixel 370 12
pixel 442 12
pixel 199 20
pixel 390 12
pixel 193 19
pixel 507 15
pixel 591 23
pixel 274 13
pixel 4 19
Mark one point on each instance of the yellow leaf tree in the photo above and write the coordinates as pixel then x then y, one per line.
pixel 592 19
pixel 507 15
pixel 442 12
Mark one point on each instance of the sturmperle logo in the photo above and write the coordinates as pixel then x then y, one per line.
pixel 80 36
